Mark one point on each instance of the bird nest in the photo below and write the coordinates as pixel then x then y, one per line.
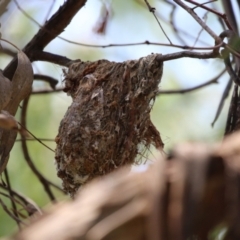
pixel 108 121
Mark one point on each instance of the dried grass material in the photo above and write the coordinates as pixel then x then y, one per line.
pixel 108 119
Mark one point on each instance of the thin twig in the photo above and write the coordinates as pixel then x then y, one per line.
pixel 200 32
pixel 182 91
pixel 49 10
pixel 152 10
pixel 52 58
pixel 12 198
pixel 64 61
pixel 41 139
pixel 30 209
pixel 18 220
pixel 30 206
pixel 223 98
pixel 172 22
pixel 27 157
pixel 231 119
pixel 51 29
pixel 202 5
pixel 199 20
pixel 22 126
pixel 190 54
pixel 46 91
pixel 230 15
pixel 52 81
pixel 133 44
pixel 15 212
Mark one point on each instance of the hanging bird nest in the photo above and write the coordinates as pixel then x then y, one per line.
pixel 108 122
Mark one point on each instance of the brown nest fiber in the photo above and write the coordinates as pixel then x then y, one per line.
pixel 109 119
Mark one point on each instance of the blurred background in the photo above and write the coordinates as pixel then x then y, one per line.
pixel 178 117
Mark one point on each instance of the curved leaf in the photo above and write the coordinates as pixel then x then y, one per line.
pixel 21 88
pixel 5 91
pixel 21 82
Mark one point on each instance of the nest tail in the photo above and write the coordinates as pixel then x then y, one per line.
pixel 108 119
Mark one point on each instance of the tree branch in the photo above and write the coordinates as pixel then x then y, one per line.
pixel 55 26
pixel 52 81
pixel 182 91
pixel 190 54
pixel 46 91
pixel 199 20
pixel 227 5
pixel 50 57
pixel 52 28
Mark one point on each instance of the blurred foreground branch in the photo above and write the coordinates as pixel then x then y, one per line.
pixel 189 195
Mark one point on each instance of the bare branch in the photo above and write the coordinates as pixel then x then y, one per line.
pixel 52 58
pixel 172 22
pixel 224 97
pixel 46 183
pixel 52 81
pixel 46 91
pixel 30 206
pixel 232 112
pixel 199 20
pixel 182 91
pixel 55 26
pixel 152 10
pixel 202 5
pixel 190 54
pixel 49 10
pixel 23 128
pixel 51 29
pixel 230 15
pixel 135 44
pixel 33 139
pixel 14 207
pixel 5 208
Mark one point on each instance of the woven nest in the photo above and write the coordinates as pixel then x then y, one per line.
pixel 108 121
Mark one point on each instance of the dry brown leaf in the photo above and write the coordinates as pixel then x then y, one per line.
pixel 21 88
pixel 21 82
pixel 5 90
pixel 7 121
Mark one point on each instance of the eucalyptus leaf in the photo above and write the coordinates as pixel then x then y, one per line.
pixel 5 91
pixel 21 82
pixel 7 121
pixel 21 88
